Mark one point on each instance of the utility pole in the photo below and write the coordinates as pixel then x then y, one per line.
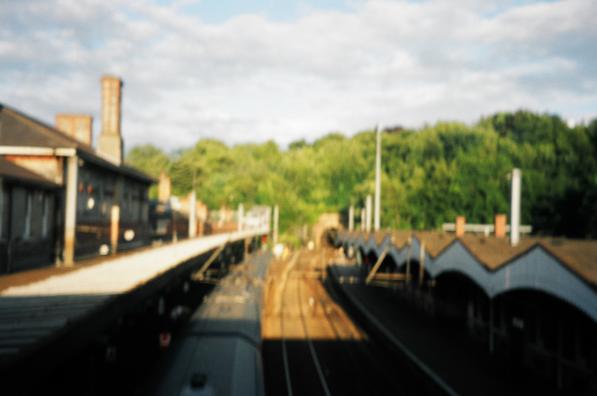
pixel 515 208
pixel 377 179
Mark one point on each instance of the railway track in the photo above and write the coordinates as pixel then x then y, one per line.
pixel 322 351
pixel 314 359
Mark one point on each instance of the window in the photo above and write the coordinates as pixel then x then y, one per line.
pixel 45 215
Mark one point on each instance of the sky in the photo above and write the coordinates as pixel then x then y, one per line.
pixel 251 71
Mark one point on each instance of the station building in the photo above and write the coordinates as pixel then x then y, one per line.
pixel 97 205
pixel 532 305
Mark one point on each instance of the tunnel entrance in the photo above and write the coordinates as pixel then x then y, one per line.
pixel 329 238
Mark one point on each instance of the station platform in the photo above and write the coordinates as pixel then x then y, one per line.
pixel 51 311
pixel 446 354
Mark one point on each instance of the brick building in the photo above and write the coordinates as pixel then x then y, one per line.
pixel 101 205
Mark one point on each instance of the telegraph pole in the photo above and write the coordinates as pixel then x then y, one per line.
pixel 376 222
pixel 515 208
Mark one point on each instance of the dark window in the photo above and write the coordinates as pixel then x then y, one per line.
pixel 28 214
pixel 4 213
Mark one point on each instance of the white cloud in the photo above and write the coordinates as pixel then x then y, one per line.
pixel 251 78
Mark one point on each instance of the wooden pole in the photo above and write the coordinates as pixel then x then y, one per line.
pixel 375 268
pixel 70 210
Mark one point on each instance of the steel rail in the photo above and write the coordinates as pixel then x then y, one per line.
pixel 284 350
pixel 316 362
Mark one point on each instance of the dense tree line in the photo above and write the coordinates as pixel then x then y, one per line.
pixel 430 175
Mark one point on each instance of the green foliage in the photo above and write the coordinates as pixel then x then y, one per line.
pixel 429 175
pixel 151 160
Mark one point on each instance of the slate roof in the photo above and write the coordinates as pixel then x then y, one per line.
pixel 20 130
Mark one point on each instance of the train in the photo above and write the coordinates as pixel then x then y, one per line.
pixel 219 349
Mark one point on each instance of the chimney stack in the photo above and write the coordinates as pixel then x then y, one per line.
pixel 460 221
pixel 499 225
pixel 515 208
pixel 78 126
pixel 110 140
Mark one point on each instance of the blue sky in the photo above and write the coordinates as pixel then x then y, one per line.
pixel 249 71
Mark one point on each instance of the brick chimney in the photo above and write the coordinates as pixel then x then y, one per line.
pixel 460 221
pixel 164 188
pixel 499 225
pixel 78 126
pixel 110 144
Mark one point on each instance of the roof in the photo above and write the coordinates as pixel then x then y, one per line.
pixel 14 172
pixel 579 256
pixel 20 130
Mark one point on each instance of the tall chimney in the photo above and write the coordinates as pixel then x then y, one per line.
pixel 110 140
pixel 78 126
pixel 515 208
